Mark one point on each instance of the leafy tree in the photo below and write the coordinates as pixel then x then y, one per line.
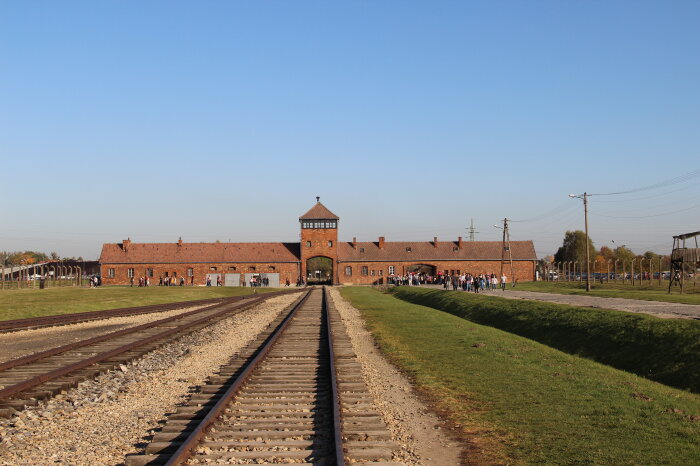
pixel 574 247
pixel 606 253
pixel 624 254
pixel 54 255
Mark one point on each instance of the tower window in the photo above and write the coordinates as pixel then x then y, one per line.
pixel 308 244
pixel 330 244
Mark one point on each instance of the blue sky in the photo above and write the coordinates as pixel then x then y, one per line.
pixel 223 120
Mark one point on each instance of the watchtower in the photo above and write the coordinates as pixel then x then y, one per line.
pixel 682 257
pixel 319 245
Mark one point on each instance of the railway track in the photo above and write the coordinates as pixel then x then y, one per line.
pixel 294 395
pixel 66 319
pixel 27 380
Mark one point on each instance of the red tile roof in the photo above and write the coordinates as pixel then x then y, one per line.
pixel 142 253
pixel 319 211
pixel 424 251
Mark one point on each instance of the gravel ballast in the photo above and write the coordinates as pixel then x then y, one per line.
pixel 21 343
pixel 417 429
pixel 102 420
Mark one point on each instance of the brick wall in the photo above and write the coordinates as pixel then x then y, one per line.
pixel 286 270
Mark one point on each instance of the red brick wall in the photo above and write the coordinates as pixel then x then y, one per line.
pixel 286 270
pixel 319 247
pixel 524 270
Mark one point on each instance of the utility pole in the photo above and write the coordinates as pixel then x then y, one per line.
pixel 584 196
pixel 505 247
pixel 472 231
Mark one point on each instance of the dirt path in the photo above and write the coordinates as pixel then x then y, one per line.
pixel 655 308
pixel 412 424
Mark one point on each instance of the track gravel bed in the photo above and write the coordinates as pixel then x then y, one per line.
pixel 289 397
pixel 102 420
pixel 413 426
pixel 23 342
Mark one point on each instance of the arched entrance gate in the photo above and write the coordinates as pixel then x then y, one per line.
pixel 319 270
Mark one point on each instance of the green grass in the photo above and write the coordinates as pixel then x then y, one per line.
pixel 664 350
pixel 517 401
pixel 653 292
pixel 21 304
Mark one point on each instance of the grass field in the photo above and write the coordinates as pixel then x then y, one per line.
pixel 646 292
pixel 520 402
pixel 21 304
pixel 664 350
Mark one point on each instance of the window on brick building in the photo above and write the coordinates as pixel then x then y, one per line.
pixel 308 244
pixel 371 272
pixel 408 249
pixel 213 269
pixel 190 272
pixel 330 244
pixel 251 268
pixel 272 268
pixel 130 273
pixel 391 270
pixel 381 272
pixel 348 271
pixel 232 267
pixel 149 272
pixel 362 249
pixel 365 270
pixel 110 273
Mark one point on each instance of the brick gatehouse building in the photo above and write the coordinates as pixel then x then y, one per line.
pixel 318 256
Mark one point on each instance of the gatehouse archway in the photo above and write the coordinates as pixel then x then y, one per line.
pixel 319 270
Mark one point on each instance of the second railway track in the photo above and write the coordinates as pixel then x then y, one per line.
pixel 26 380
pixel 293 395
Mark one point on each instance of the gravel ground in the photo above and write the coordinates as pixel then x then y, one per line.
pixel 101 420
pixel 655 308
pixel 25 342
pixel 423 441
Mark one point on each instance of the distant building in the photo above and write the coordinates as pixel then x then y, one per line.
pixel 318 257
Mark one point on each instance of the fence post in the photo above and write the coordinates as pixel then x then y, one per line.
pixel 632 271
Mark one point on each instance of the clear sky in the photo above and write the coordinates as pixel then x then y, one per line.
pixel 224 119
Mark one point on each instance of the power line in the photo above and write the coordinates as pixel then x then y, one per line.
pixel 661 184
pixel 649 216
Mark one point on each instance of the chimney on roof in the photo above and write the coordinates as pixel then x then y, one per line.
pixel 381 242
pixel 459 242
pixel 125 244
pixel 179 241
pixel 434 241
pixel 354 242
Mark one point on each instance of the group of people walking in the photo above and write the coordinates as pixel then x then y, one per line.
pixel 465 281
pixel 476 283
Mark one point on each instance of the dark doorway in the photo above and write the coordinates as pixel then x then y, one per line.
pixel 319 271
pixel 423 269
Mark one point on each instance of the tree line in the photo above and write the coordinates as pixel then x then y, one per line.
pixel 573 249
pixel 30 257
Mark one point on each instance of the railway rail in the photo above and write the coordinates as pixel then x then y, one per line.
pixel 66 319
pixel 294 395
pixel 27 380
